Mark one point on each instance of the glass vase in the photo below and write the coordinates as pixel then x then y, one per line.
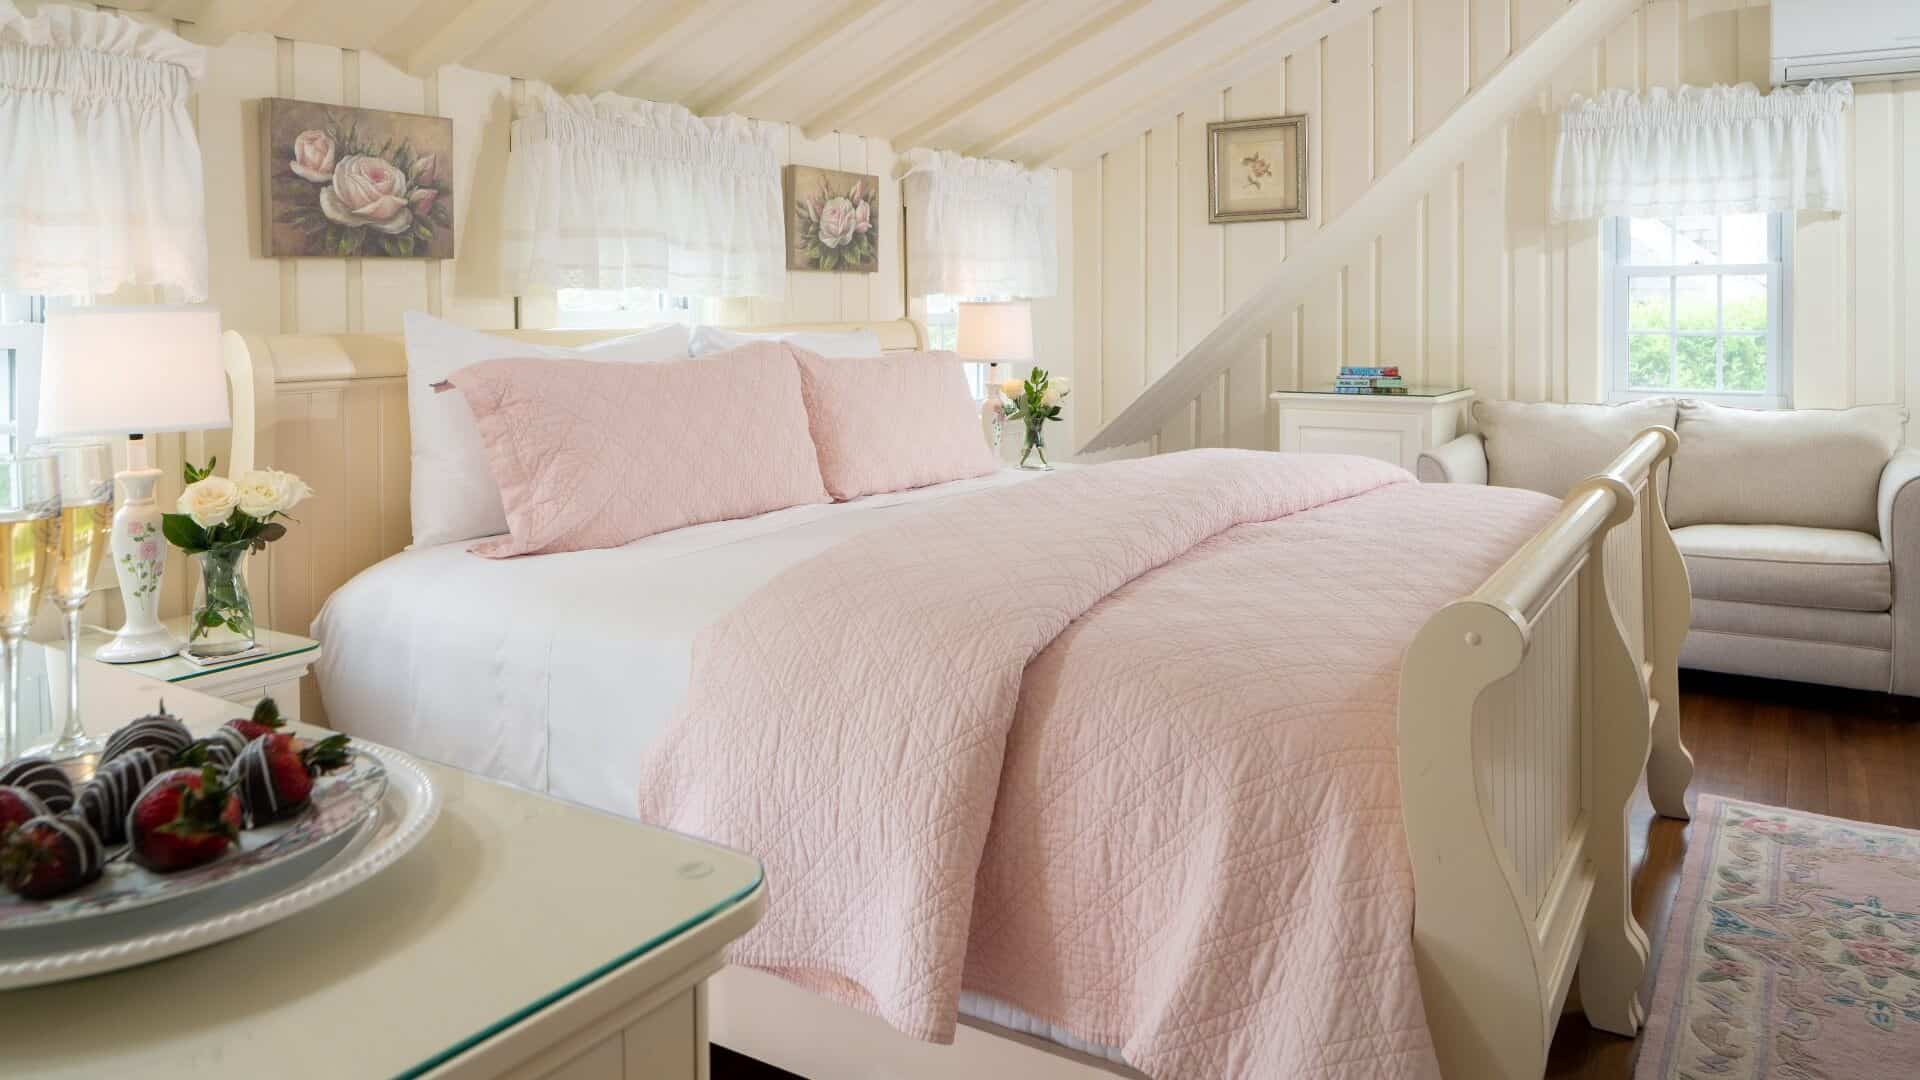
pixel 222 610
pixel 1033 454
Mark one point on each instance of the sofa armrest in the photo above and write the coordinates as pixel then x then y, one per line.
pixel 1462 461
pixel 1900 535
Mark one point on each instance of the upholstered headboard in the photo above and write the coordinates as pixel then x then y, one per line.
pixel 333 408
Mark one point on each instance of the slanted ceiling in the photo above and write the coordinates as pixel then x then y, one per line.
pixel 1039 81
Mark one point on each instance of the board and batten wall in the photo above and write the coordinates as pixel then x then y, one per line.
pixel 1475 286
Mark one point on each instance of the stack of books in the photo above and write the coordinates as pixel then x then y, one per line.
pixel 1369 380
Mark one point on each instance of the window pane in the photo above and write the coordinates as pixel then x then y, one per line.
pixel 1745 238
pixel 1744 302
pixel 1697 302
pixel 1650 303
pixel 1649 361
pixel 1696 241
pixel 1696 364
pixel 1652 242
pixel 1746 362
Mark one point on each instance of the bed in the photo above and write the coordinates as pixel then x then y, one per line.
pixel 1528 709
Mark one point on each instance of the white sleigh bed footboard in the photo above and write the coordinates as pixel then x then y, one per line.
pixel 1528 712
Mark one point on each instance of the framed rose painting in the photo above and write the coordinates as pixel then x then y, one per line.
pixel 833 220
pixel 1257 169
pixel 346 182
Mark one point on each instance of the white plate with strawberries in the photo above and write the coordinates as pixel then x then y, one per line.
pixel 176 843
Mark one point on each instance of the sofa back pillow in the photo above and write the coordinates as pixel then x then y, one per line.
pixel 1818 468
pixel 711 339
pixel 1549 447
pixel 592 455
pixel 887 423
pixel 454 495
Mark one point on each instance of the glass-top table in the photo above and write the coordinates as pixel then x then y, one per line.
pixel 515 903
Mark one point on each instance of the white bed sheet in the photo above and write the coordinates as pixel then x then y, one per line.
pixel 554 672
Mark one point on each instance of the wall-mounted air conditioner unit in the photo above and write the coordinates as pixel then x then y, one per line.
pixel 1860 40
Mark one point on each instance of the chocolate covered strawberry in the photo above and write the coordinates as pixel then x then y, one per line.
pixel 266 718
pixel 18 805
pixel 42 777
pixel 275 773
pixel 49 855
pixel 183 818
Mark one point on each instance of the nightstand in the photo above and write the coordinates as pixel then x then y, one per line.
pixel 275 672
pixel 1391 427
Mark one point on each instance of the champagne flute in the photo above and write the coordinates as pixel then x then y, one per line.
pixel 86 529
pixel 29 543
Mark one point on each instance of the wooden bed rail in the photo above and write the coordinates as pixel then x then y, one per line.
pixel 1527 715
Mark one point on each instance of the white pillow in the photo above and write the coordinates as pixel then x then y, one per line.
pixel 454 494
pixel 712 339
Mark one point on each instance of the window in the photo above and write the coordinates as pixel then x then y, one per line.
pixel 943 333
pixel 1699 308
pixel 582 309
pixel 21 317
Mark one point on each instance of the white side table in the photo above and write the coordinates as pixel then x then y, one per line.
pixel 275 672
pixel 1392 427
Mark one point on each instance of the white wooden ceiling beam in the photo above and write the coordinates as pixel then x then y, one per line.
pixel 848 108
pixel 654 36
pixel 1511 87
pixel 464 33
pixel 847 20
pixel 1116 125
pixel 219 20
pixel 994 143
pixel 977 94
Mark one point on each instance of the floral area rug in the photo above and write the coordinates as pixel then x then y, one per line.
pixel 1793 952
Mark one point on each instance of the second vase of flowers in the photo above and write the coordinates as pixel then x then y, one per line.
pixel 220 521
pixel 1035 401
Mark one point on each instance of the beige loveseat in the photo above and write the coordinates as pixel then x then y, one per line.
pixel 1800 528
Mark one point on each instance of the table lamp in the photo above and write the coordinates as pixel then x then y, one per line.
pixel 995 331
pixel 133 371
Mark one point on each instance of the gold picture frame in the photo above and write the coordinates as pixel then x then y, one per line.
pixel 1257 169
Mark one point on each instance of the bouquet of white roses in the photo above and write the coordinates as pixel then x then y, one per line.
pixel 1033 402
pixel 218 522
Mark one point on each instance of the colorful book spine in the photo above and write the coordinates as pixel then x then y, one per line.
pixel 1391 372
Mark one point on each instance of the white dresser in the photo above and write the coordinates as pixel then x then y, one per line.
pixel 1391 427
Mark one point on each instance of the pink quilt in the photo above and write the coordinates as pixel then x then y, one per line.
pixel 1116 748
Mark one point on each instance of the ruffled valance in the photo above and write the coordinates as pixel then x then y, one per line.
pixel 615 193
pixel 1702 150
pixel 979 228
pixel 104 187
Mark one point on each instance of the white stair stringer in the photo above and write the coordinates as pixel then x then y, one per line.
pixel 1515 84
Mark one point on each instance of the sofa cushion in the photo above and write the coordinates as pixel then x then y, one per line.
pixel 1814 467
pixel 1866 629
pixel 1790 565
pixel 1549 447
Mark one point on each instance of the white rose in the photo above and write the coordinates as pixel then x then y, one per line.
pixel 367 191
pixel 264 492
pixel 313 156
pixel 210 502
pixel 837 221
pixel 1013 388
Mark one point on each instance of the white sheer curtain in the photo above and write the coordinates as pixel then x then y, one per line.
pixel 1702 150
pixel 100 182
pixel 616 193
pixel 979 228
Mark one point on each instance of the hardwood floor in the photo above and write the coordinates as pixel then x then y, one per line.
pixel 1838 752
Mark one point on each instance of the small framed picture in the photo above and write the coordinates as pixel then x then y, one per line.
pixel 1257 169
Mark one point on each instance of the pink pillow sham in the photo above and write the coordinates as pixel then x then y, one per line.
pixel 591 455
pixel 892 422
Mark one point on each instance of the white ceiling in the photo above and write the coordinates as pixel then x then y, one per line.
pixel 1034 80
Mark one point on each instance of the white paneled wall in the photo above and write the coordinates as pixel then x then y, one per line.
pixel 1473 285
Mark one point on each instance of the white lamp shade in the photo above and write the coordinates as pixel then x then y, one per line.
pixel 121 370
pixel 996 331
